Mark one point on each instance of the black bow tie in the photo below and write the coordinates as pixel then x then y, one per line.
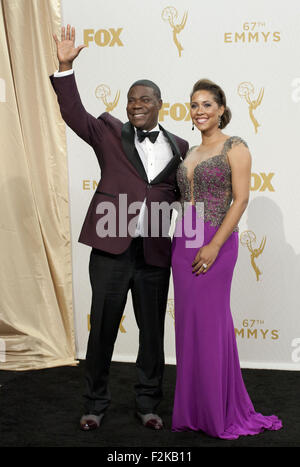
pixel 152 135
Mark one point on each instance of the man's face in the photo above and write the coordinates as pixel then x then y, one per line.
pixel 143 107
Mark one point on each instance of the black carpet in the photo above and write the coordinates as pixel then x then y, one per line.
pixel 42 408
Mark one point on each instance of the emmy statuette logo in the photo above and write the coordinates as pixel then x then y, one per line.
pixel 170 14
pixel 248 239
pixel 245 89
pixel 103 92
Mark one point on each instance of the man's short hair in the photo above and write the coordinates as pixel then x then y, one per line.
pixel 149 84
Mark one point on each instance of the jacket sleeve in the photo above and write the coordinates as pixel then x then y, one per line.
pixel 85 125
pixel 186 149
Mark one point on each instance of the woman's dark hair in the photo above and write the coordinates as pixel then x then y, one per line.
pixel 219 97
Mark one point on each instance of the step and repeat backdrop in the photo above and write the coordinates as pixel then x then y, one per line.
pixel 250 49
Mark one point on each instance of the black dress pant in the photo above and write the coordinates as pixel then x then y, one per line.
pixel 112 276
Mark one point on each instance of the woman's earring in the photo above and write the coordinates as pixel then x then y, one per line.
pixel 220 121
pixel 193 127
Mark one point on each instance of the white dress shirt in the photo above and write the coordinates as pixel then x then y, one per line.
pixel 154 156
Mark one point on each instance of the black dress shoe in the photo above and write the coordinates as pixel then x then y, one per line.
pixel 151 420
pixel 90 422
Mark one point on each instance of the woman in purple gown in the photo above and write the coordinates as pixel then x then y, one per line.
pixel 214 181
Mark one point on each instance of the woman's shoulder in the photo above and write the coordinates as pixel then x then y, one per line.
pixel 191 149
pixel 233 141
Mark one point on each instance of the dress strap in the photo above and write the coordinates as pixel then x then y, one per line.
pixel 232 141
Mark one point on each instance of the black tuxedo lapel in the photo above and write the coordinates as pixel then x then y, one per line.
pixel 174 162
pixel 130 150
pixel 172 141
pixel 132 154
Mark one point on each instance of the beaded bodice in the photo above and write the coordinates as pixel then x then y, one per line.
pixel 209 185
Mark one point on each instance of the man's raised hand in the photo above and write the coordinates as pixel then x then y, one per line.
pixel 66 50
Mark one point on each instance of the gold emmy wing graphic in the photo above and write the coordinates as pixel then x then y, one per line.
pixel 170 14
pixel 103 92
pixel 244 90
pixel 121 327
pixel 170 308
pixel 248 238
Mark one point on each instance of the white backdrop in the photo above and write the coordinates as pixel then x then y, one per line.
pixel 249 48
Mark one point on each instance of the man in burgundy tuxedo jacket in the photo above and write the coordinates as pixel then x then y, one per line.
pixel 141 170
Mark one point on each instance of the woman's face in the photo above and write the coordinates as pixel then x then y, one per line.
pixel 205 112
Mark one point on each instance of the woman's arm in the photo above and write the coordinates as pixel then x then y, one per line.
pixel 240 163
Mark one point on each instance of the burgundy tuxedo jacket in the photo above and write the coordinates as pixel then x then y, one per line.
pixel 122 172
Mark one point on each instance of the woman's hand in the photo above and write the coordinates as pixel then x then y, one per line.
pixel 66 50
pixel 205 256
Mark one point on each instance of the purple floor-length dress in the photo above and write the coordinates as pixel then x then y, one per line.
pixel 210 393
